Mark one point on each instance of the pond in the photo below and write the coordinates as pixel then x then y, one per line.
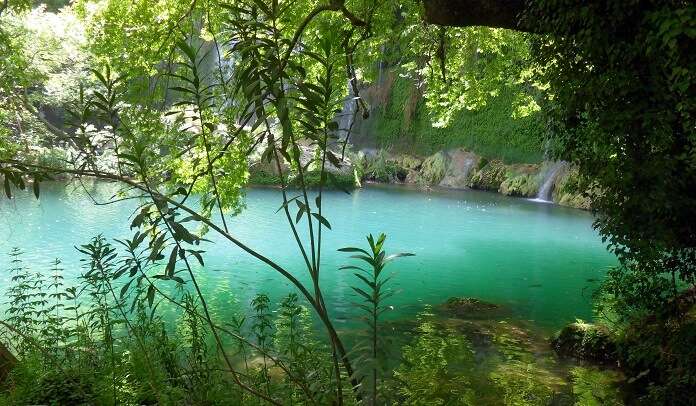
pixel 541 262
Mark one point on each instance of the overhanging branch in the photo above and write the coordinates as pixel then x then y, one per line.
pixel 465 13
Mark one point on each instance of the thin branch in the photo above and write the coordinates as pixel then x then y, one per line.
pixel 335 5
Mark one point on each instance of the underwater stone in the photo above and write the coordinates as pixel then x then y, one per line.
pixel 468 306
pixel 585 341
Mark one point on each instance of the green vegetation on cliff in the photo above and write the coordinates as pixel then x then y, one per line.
pixel 491 131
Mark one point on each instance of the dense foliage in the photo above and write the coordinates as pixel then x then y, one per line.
pixel 622 79
pixel 621 76
pixel 173 99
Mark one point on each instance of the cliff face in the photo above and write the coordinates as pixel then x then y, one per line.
pixel 460 169
pixel 400 121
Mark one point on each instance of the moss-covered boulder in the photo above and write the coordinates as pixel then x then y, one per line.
pixel 585 341
pixel 407 162
pixel 380 167
pixel 490 176
pixel 433 168
pixel 568 190
pixel 461 163
pixel 526 185
pixel 468 307
pixel 264 172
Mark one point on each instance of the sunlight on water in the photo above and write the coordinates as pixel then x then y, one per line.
pixel 540 261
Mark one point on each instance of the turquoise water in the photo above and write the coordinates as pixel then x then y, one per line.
pixel 538 260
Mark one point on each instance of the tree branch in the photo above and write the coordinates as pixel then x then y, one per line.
pixel 465 13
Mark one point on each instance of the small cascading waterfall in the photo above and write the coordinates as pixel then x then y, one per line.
pixel 380 75
pixel 547 186
pixel 345 121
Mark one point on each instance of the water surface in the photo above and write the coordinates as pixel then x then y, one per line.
pixel 540 261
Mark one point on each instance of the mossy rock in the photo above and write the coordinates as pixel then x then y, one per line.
pixel 380 167
pixel 433 169
pixel 522 185
pixel 524 169
pixel 490 177
pixel 585 341
pixel 578 201
pixel 407 162
pixel 460 164
pixel 468 307
pixel 568 190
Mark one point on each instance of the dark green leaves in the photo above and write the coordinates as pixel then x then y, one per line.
pixel 322 220
pixel 169 270
pixel 6 185
pixel 187 50
pixel 35 187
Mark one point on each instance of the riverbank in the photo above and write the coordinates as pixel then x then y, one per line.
pixel 552 182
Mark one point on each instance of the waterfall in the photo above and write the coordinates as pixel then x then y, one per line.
pixel 347 114
pixel 381 65
pixel 547 186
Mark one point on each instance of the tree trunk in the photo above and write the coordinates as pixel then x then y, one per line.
pixel 7 362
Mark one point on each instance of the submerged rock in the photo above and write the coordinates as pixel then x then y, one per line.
pixel 468 307
pixel 585 341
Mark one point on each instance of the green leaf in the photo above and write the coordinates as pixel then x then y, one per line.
pixel 125 287
pixel 99 76
pixel 363 294
pixel 186 48
pixel 182 89
pixel 172 262
pixel 198 256
pixel 150 295
pixel 353 249
pixel 35 186
pixel 8 192
pixel 322 220
pixel 399 255
pixel 352 267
